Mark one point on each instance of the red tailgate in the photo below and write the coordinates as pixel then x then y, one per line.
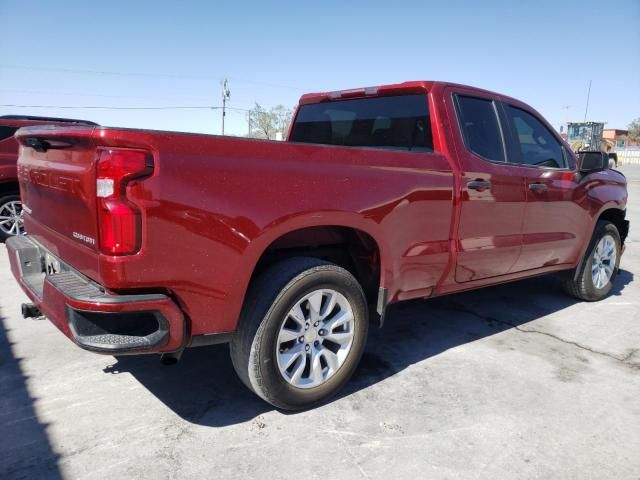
pixel 57 175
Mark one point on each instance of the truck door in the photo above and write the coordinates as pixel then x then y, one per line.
pixel 492 191
pixel 553 220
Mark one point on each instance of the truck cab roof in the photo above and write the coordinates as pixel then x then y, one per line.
pixel 404 88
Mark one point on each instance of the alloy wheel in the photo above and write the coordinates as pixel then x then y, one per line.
pixel 604 261
pixel 315 338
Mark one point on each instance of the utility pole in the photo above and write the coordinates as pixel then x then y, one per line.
pixel 587 107
pixel 226 95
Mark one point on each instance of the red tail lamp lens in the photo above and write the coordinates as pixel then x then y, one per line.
pixel 119 218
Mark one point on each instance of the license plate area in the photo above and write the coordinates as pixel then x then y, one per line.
pixel 51 265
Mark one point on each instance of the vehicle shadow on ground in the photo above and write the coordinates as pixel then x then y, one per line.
pixel 21 431
pixel 203 388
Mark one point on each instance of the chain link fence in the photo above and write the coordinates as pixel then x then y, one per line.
pixel 628 155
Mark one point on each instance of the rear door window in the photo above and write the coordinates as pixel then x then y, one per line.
pixel 480 127
pixel 538 146
pixel 394 122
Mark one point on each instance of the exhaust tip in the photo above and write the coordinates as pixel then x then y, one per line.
pixel 30 310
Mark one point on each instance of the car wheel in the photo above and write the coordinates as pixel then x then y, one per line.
pixel 600 267
pixel 301 333
pixel 11 223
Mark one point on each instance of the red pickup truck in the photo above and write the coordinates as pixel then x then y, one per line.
pixel 144 241
pixel 10 205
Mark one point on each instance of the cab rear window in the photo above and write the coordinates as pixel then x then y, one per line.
pixel 394 122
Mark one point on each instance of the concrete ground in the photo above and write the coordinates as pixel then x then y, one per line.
pixel 516 381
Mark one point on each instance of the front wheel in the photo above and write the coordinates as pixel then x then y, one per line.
pixel 10 216
pixel 301 333
pixel 598 271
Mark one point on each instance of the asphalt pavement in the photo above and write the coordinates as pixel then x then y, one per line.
pixel 514 381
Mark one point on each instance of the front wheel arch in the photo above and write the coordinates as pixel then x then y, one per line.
pixel 617 217
pixel 580 284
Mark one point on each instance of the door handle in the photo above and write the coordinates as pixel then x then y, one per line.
pixel 537 187
pixel 479 185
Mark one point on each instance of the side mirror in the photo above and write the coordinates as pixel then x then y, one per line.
pixel 593 161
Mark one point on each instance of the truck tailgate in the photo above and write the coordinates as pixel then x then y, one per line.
pixel 57 175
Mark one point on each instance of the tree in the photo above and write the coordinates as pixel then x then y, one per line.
pixel 634 131
pixel 266 124
pixel 284 116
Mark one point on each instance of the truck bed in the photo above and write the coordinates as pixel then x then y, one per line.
pixel 214 205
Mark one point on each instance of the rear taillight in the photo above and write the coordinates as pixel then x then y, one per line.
pixel 119 219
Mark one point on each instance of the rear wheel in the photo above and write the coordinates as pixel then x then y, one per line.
pixel 600 267
pixel 301 333
pixel 10 216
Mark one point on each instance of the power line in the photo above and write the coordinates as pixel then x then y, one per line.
pixel 105 107
pixel 70 94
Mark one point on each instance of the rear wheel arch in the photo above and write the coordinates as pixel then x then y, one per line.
pixel 354 249
pixel 289 242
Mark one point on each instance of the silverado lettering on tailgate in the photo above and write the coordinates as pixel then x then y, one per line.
pixel 48 179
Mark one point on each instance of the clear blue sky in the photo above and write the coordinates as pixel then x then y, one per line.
pixel 170 53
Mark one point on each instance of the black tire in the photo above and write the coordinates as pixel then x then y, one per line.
pixel 4 199
pixel 582 287
pixel 269 299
